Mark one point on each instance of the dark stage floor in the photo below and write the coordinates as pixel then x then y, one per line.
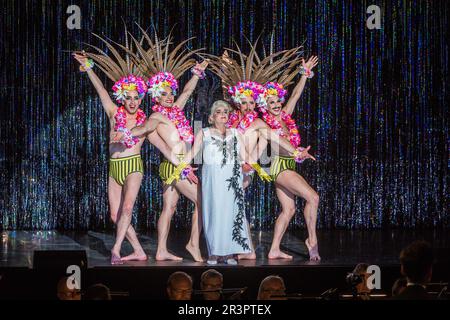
pixel 336 247
pixel 340 251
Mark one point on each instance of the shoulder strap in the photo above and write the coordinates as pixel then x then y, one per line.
pixel 206 132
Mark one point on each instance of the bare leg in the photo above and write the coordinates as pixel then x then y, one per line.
pixel 129 192
pixel 287 201
pixel 251 255
pixel 170 200
pixel 193 193
pixel 295 184
pixel 115 203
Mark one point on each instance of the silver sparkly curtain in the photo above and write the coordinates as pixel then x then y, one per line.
pixel 376 114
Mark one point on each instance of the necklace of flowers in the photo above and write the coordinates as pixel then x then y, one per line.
pixel 246 121
pixel 294 135
pixel 121 125
pixel 178 119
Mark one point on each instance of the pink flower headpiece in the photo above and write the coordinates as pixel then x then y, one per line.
pixel 159 81
pixel 129 83
pixel 271 89
pixel 245 89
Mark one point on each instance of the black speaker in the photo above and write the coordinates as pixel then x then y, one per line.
pixel 59 259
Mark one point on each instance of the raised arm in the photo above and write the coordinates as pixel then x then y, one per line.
pixel 190 86
pixel 108 105
pixel 297 92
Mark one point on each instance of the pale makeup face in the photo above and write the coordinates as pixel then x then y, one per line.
pixel 132 101
pixel 274 105
pixel 167 98
pixel 220 115
pixel 247 104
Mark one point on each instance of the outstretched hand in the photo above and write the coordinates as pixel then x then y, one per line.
pixel 311 63
pixel 81 58
pixel 191 176
pixel 305 154
pixel 203 65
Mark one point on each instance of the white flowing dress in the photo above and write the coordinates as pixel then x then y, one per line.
pixel 223 204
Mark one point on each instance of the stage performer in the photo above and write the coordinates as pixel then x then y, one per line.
pixel 242 84
pixel 169 121
pixel 288 183
pixel 223 203
pixel 125 163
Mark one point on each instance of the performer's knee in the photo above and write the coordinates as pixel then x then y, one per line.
pixel 289 212
pixel 127 209
pixel 169 209
pixel 314 199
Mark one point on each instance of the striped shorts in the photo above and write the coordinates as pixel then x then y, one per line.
pixel 120 168
pixel 280 164
pixel 166 168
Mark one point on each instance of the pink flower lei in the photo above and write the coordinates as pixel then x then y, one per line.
pixel 245 122
pixel 121 125
pixel 272 122
pixel 176 115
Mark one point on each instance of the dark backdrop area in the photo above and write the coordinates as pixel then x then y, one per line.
pixel 375 114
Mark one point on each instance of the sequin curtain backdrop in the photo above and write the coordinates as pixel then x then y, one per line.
pixel 376 114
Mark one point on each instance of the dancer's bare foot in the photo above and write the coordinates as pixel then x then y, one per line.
pixel 164 256
pixel 195 252
pixel 136 256
pixel 313 250
pixel 115 258
pixel 247 256
pixel 278 254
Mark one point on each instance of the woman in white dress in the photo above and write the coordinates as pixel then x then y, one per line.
pixel 223 206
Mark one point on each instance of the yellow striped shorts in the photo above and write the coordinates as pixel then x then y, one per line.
pixel 166 168
pixel 280 164
pixel 120 168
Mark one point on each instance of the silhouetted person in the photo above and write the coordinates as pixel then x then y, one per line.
pixel 362 291
pixel 399 286
pixel 97 292
pixel 211 280
pixel 64 293
pixel 417 266
pixel 179 286
pixel 272 286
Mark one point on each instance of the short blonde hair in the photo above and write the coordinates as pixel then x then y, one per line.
pixel 217 104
